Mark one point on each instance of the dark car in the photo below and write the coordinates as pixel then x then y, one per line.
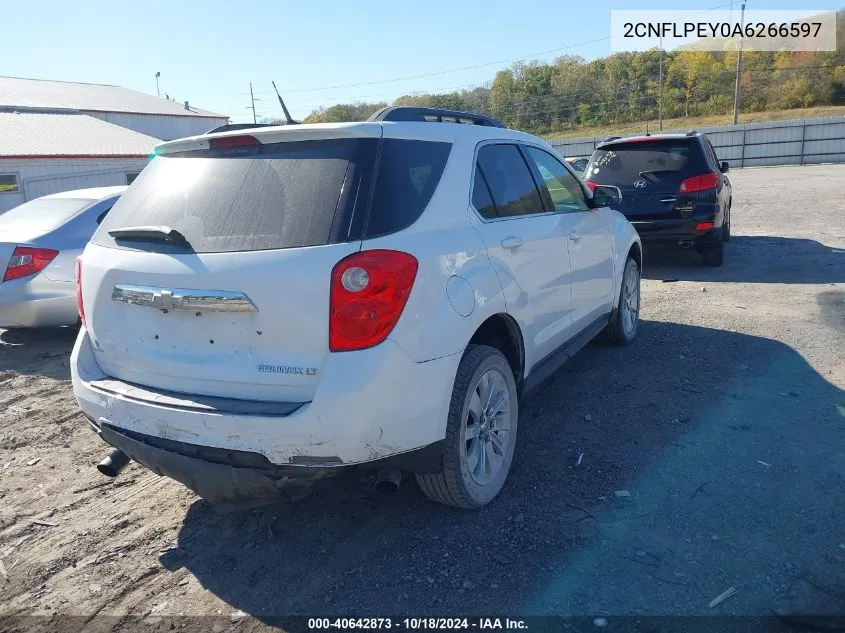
pixel 674 190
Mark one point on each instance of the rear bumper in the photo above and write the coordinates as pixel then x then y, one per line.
pixel 370 405
pixel 673 231
pixel 24 303
pixel 234 479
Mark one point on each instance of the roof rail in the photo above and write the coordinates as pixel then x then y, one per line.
pixel 412 113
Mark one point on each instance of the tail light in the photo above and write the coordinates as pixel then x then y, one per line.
pixel 79 307
pixel 27 260
pixel 369 291
pixel 699 183
pixel 703 226
pixel 591 185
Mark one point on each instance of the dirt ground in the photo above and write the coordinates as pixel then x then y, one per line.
pixel 713 457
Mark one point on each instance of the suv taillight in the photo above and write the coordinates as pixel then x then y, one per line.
pixel 27 260
pixel 699 183
pixel 369 291
pixel 79 307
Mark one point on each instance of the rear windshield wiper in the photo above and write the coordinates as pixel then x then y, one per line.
pixel 150 233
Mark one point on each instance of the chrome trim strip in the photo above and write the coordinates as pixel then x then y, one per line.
pixel 166 299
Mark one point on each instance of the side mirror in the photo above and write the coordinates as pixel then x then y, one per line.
pixel 606 196
pixel 724 167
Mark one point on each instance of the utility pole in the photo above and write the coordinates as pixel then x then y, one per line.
pixel 660 81
pixel 738 65
pixel 158 74
pixel 252 100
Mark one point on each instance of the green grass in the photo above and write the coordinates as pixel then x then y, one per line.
pixel 693 122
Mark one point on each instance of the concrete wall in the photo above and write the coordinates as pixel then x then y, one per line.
pixel 40 177
pixel 797 142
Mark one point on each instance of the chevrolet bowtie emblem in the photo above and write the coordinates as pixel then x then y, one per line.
pixel 163 300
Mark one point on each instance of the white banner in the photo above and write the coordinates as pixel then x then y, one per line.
pixel 722 30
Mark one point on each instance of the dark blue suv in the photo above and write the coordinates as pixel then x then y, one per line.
pixel 674 190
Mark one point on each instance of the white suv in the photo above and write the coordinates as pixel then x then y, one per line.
pixel 263 307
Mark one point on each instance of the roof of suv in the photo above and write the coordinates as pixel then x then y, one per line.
pixel 667 136
pixel 412 130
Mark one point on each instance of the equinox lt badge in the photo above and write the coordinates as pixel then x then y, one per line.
pixel 287 369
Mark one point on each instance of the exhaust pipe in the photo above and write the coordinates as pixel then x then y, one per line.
pixel 685 244
pixel 113 463
pixel 388 480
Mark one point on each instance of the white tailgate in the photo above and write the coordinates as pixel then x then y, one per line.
pixel 274 352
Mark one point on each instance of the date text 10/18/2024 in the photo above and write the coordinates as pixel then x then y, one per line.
pixel 417 624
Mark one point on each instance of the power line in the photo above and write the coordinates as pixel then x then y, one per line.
pixel 463 68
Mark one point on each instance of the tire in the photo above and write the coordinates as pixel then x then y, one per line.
pixel 714 254
pixel 623 328
pixel 726 230
pixel 463 481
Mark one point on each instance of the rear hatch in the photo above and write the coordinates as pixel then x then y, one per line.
pixel 232 299
pixel 649 173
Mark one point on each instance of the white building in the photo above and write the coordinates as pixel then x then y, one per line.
pixel 56 135
pixel 153 116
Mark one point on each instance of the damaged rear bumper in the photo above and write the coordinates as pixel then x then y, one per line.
pixel 228 479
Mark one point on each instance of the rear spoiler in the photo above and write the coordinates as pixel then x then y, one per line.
pixel 237 126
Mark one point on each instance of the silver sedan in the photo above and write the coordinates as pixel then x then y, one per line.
pixel 39 243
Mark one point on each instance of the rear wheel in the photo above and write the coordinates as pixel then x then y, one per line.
pixel 714 254
pixel 480 432
pixel 626 319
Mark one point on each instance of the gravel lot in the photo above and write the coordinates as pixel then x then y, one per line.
pixel 713 457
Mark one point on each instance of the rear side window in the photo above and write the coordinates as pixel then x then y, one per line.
pixel 408 174
pixel 481 198
pixel 510 181
pixel 625 163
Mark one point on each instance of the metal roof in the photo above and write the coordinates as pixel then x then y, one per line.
pixel 30 135
pixel 17 92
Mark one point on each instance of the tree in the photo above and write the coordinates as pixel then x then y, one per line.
pixel 625 87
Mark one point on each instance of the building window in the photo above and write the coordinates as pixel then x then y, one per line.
pixel 131 176
pixel 8 183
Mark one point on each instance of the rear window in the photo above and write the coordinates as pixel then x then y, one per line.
pixel 626 163
pixel 281 195
pixel 42 214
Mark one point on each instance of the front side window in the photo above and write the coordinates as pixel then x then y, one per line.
pixel 511 185
pixel 8 183
pixel 563 187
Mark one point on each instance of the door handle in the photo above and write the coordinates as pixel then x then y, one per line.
pixel 511 242
pixel 574 235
